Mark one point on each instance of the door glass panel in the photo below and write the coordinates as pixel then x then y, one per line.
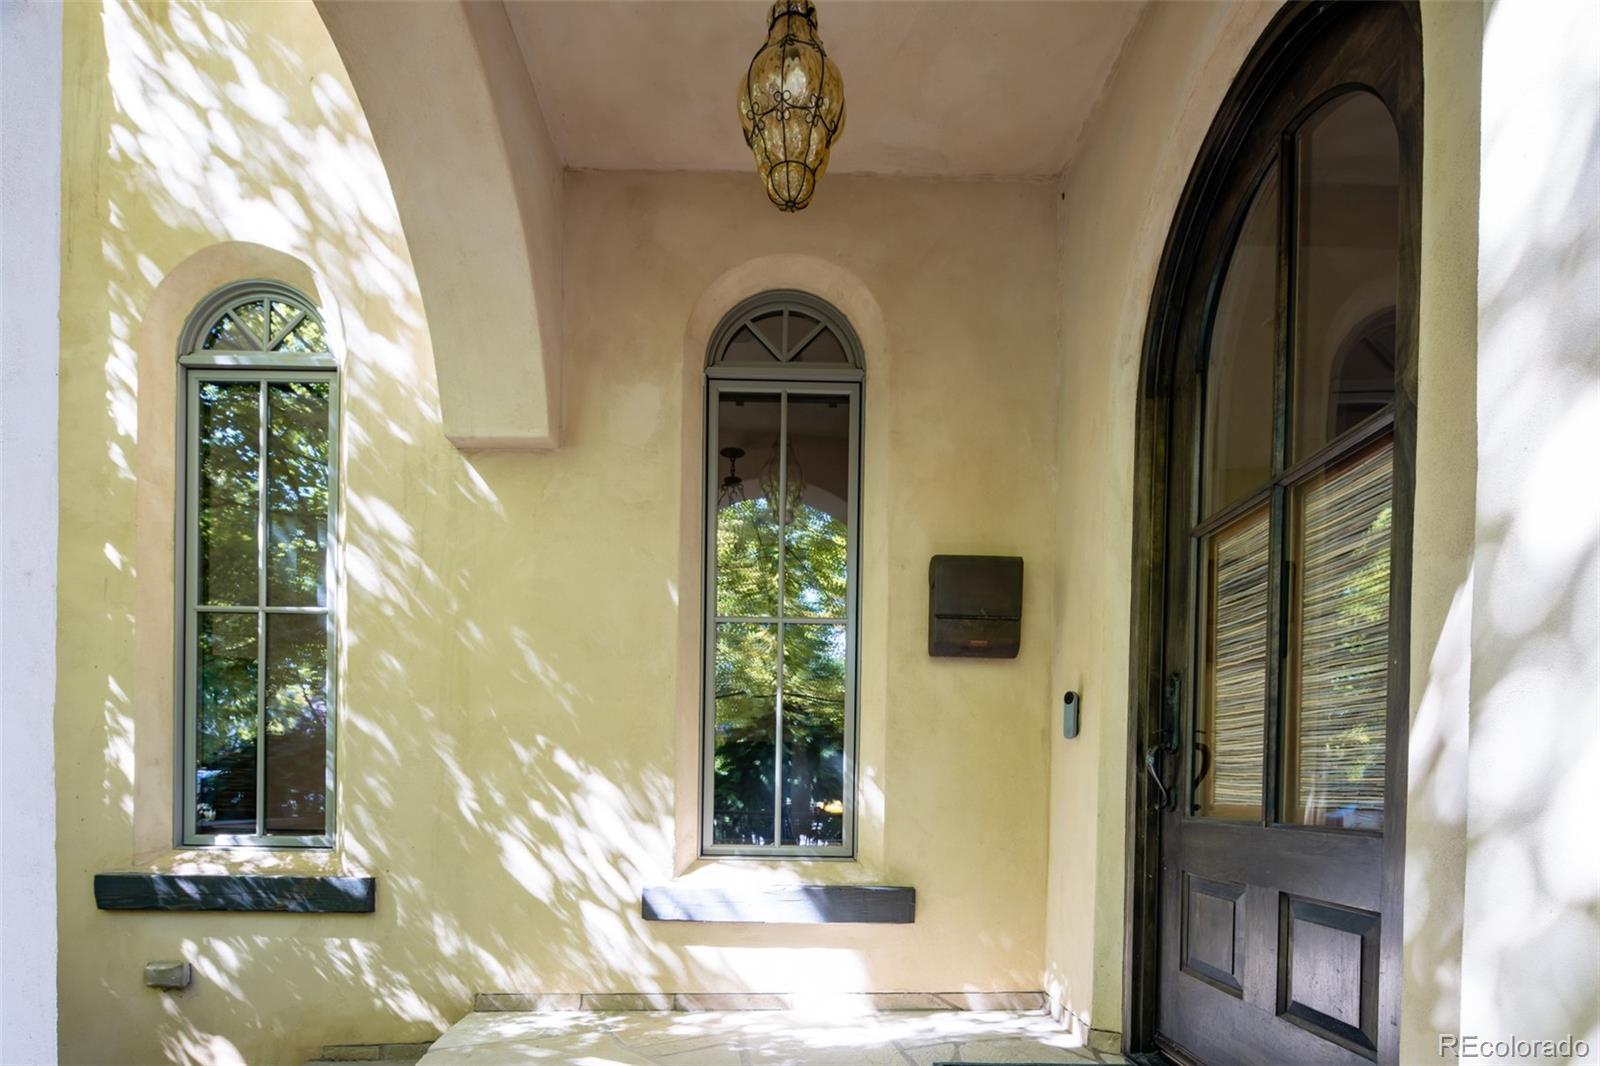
pixel 1238 418
pixel 813 734
pixel 817 514
pixel 296 741
pixel 228 492
pixel 1348 239
pixel 297 493
pixel 1230 728
pixel 747 517
pixel 746 705
pixel 1338 678
pixel 225 724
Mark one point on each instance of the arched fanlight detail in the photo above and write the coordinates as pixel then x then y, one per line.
pixel 785 333
pixel 255 318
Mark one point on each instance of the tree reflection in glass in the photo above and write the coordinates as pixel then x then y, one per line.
pixel 296 741
pixel 813 734
pixel 816 533
pixel 261 668
pixel 225 747
pixel 229 491
pixel 746 691
pixel 747 522
pixel 297 493
pixel 779 669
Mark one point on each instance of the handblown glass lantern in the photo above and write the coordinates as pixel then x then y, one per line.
pixel 791 104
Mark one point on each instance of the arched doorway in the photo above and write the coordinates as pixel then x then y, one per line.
pixel 1273 533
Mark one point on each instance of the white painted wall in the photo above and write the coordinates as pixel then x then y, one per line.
pixel 30 284
pixel 1531 936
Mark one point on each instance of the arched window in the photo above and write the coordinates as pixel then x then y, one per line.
pixel 783 442
pixel 258 475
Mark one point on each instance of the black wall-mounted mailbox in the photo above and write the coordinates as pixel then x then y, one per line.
pixel 975 606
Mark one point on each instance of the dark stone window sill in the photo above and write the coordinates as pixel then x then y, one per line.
pixel 787 904
pixel 235 892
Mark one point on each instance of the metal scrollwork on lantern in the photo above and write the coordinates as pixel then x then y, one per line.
pixel 791 105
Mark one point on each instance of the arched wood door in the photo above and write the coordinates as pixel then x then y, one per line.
pixel 1274 752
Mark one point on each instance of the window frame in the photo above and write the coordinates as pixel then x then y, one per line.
pixel 783 379
pixel 196 367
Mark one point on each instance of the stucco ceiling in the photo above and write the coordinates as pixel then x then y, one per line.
pixel 934 87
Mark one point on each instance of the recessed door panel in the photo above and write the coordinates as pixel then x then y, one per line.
pixel 1328 971
pixel 1213 932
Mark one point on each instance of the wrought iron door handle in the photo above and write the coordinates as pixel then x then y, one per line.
pixel 1152 756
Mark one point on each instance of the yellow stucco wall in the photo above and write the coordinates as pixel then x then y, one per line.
pixel 519 664
pixel 517 667
pixel 1117 202
pixel 1441 589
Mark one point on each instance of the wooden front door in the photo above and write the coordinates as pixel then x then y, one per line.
pixel 1276 753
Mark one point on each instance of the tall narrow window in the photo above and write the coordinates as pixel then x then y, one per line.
pixel 258 489
pixel 783 411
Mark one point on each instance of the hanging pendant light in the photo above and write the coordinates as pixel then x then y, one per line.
pixel 731 490
pixel 791 105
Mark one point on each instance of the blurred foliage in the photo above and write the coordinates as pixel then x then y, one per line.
pixel 746 671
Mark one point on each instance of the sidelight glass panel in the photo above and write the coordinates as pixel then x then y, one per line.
pixel 296 741
pixel 1348 240
pixel 1338 681
pixel 225 724
pixel 813 734
pixel 1231 726
pixel 744 733
pixel 1239 361
pixel 748 425
pixel 816 533
pixel 297 493
pixel 228 491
